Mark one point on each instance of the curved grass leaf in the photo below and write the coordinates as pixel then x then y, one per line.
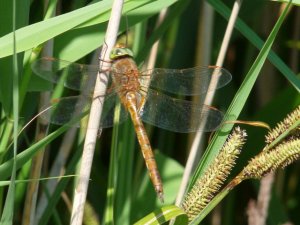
pixel 8 208
pixel 68 44
pixel 294 2
pixel 26 155
pixel 33 35
pixel 6 183
pixel 163 215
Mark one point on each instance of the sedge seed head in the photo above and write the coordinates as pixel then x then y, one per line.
pixel 268 161
pixel 289 121
pixel 209 184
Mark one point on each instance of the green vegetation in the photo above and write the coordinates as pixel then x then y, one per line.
pixel 262 57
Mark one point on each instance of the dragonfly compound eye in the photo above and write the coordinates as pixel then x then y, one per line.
pixel 120 52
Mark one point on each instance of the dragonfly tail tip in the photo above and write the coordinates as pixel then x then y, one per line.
pixel 161 197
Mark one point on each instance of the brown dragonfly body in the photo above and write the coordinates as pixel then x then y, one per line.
pixel 126 76
pixel 146 96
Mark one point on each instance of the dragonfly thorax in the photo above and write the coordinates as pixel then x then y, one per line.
pixel 125 75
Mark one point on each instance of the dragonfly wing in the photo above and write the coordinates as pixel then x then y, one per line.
pixel 74 109
pixel 192 81
pixel 179 115
pixel 108 113
pixel 75 76
pixel 65 110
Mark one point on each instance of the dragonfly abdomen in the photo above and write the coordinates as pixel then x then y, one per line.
pixel 130 103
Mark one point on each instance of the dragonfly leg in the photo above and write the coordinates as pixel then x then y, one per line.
pixel 107 61
pixel 110 89
pixel 105 51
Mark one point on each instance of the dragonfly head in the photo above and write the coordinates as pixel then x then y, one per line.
pixel 120 52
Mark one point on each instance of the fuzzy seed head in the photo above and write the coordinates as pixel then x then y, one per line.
pixel 209 184
pixel 268 161
pixel 293 119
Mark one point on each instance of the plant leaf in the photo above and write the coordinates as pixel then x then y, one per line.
pixel 163 215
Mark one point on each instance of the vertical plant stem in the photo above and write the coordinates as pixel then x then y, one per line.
pixel 95 115
pixel 8 211
pixel 154 49
pixel 113 170
pixel 35 171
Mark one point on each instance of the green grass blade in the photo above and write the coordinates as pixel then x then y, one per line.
pixel 51 7
pixel 26 155
pixel 5 138
pixel 163 215
pixel 113 170
pixel 90 37
pixel 8 212
pixel 84 20
pixel 6 63
pixel 31 36
pixel 6 183
pixel 126 152
pixel 294 2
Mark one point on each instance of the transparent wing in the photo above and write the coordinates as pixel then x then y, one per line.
pixel 179 115
pixel 65 110
pixel 76 76
pixel 192 81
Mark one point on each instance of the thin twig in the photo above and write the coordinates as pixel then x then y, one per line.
pixel 95 115
pixel 154 49
pixel 35 170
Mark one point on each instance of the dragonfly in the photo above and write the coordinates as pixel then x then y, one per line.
pixel 154 96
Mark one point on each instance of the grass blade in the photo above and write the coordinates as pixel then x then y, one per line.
pixel 8 212
pixel 163 215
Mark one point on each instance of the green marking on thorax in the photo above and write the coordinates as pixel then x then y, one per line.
pixel 118 52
